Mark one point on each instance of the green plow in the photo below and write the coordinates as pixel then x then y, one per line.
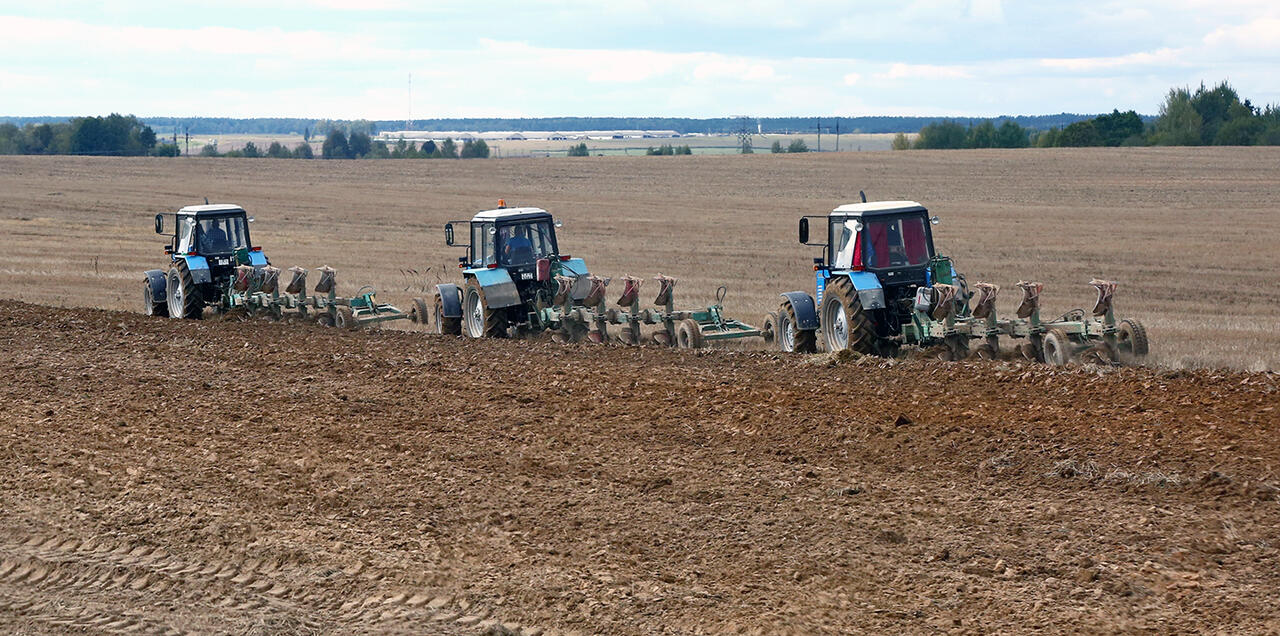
pixel 255 291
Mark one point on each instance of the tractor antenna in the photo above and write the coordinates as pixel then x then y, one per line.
pixel 863 195
pixel 206 200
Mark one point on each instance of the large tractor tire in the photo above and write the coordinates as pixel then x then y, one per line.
pixel 844 323
pixel 151 305
pixel 1131 341
pixel 445 325
pixel 184 299
pixel 790 338
pixel 478 320
pixel 1058 348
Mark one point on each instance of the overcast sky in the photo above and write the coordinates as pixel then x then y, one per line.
pixel 694 58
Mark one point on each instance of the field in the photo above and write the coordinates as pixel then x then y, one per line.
pixel 1190 235
pixel 163 476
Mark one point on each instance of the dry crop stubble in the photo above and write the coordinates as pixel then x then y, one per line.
pixel 1190 233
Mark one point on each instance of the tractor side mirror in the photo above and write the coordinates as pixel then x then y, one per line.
pixel 804 231
pixel 448 234
pixel 159 224
pixel 934 220
pixel 251 219
pixel 559 224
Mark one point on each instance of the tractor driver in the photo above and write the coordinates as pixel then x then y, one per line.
pixel 517 248
pixel 214 240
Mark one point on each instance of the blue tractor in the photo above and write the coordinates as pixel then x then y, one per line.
pixel 509 274
pixel 880 285
pixel 874 258
pixel 206 245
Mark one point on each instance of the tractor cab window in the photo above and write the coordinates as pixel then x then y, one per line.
pixel 222 234
pixel 896 242
pixel 846 245
pixel 483 253
pixel 525 243
pixel 186 234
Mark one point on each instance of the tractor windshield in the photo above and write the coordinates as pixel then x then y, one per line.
pixel 222 234
pixel 896 242
pixel 525 243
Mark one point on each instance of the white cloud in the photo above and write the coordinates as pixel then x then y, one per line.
pixel 900 71
pixel 1262 34
pixel 1162 57
pixel 987 10
pixel 851 78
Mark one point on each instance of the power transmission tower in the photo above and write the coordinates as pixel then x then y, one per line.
pixel 744 135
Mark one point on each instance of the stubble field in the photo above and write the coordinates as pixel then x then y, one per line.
pixel 1190 234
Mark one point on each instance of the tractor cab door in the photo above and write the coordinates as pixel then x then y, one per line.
pixel 185 234
pixel 483 250
pixel 847 245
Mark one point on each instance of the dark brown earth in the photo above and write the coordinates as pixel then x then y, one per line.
pixel 161 476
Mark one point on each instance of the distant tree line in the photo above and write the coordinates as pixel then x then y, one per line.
pixel 358 145
pixel 113 135
pixel 796 145
pixel 1204 117
pixel 683 125
pixel 668 149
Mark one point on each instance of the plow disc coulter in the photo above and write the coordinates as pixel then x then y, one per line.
pixel 880 285
pixel 516 282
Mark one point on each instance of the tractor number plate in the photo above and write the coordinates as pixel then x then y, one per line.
pixel 526 276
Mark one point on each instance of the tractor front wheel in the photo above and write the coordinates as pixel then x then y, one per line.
pixel 844 323
pixel 183 296
pixel 479 320
pixel 151 305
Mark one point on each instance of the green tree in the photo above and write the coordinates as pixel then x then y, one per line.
pixel 900 142
pixel 304 151
pixel 1011 135
pixel 1216 106
pixel 335 146
pixel 579 150
pixel 1117 127
pixel 209 150
pixel 166 150
pixel 277 151
pixel 1241 131
pixel 448 149
pixel 251 150
pixel 428 149
pixel 942 135
pixel 477 149
pixel 798 145
pixel 1080 134
pixel 982 136
pixel 746 148
pixel 1179 124
pixel 359 144
pixel 684 150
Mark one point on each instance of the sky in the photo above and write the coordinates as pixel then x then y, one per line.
pixel 354 59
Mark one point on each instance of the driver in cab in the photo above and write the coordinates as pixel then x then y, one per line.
pixel 517 248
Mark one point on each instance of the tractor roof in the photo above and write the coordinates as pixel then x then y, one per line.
pixel 878 207
pixel 507 213
pixel 213 208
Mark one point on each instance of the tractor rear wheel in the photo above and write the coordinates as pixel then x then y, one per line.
pixel 444 324
pixel 1131 340
pixel 479 320
pixel 1057 348
pixel 845 325
pixel 151 305
pixel 790 338
pixel 183 296
pixel 689 334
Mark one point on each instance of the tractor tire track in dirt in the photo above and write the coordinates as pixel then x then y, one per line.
pixel 164 476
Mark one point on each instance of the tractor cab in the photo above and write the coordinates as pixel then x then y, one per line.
pixel 890 238
pixel 513 238
pixel 212 232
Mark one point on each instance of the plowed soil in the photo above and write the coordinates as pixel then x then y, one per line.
pixel 161 476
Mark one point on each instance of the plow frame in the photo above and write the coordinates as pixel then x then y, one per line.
pixel 363 308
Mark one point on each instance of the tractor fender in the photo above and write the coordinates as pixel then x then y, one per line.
pixel 806 313
pixel 258 259
pixel 870 293
pixel 499 290
pixel 199 269
pixel 155 279
pixel 449 300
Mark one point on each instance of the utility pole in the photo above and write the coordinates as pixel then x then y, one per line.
pixel 819 134
pixel 186 133
pixel 837 134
